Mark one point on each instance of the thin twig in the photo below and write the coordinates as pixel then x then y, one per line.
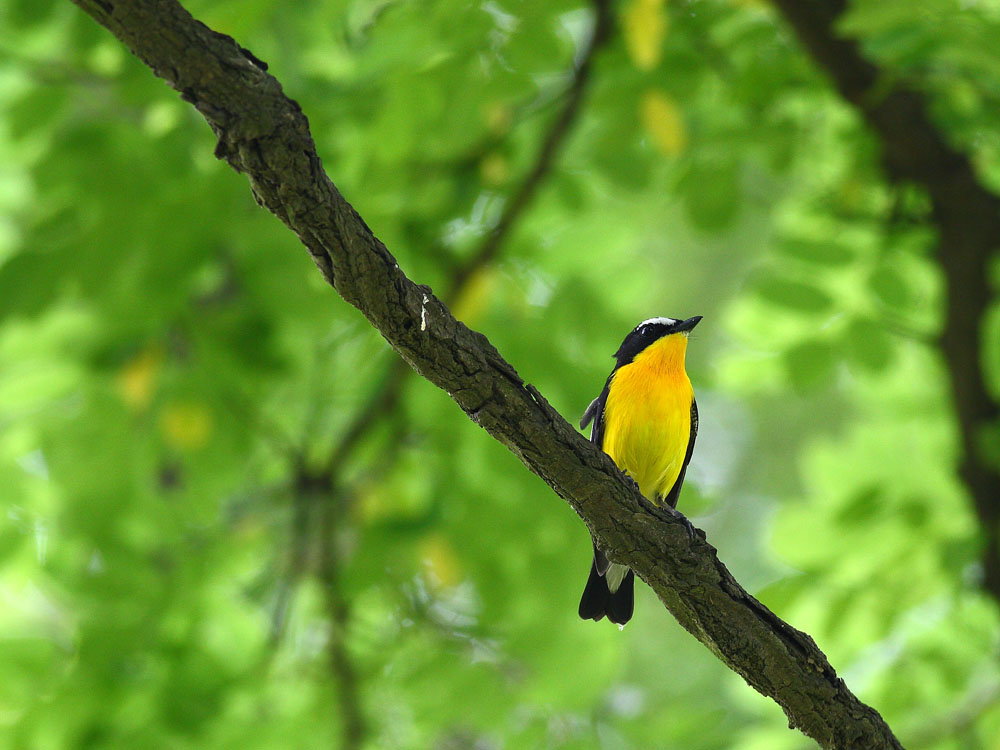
pixel 385 396
pixel 544 160
pixel 331 506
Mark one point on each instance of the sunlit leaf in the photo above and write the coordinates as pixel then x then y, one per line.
pixel 494 170
pixel 645 25
pixel 476 295
pixel 186 425
pixel 137 378
pixel 440 560
pixel 664 123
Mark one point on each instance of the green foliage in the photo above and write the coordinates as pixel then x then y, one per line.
pixel 169 357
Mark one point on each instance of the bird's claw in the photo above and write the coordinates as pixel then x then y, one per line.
pixel 635 484
pixel 691 530
pixel 692 533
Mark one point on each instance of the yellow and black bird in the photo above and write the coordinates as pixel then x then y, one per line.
pixel 646 419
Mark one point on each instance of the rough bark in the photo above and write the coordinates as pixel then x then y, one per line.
pixel 264 135
pixel 967 217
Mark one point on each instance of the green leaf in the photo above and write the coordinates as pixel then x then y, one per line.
pixel 620 157
pixel 793 294
pixel 810 365
pixel 889 286
pixel 868 345
pixel 711 194
pixel 27 283
pixel 24 13
pixel 827 253
pixel 37 109
pixel 915 512
pixel 863 507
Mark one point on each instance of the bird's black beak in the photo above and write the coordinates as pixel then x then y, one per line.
pixel 686 325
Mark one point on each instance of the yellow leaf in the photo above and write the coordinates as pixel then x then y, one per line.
pixel 494 169
pixel 498 117
pixel 475 295
pixel 439 559
pixel 662 120
pixel 645 26
pixel 186 425
pixel 372 503
pixel 137 378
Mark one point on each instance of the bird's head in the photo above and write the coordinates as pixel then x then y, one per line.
pixel 648 332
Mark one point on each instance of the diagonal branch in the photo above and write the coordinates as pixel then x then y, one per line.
pixel 264 134
pixel 331 503
pixel 967 216
pixel 547 153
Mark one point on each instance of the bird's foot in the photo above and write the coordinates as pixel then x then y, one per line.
pixel 631 481
pixel 692 533
pixel 691 530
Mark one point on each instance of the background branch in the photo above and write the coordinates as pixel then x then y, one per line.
pixel 967 217
pixel 264 134
pixel 321 493
pixel 353 725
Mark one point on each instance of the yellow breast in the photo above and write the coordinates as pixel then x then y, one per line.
pixel 648 416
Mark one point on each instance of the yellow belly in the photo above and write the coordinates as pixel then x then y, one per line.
pixel 648 425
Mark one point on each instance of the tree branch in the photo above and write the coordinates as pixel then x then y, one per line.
pixel 326 498
pixel 967 216
pixel 264 135
pixel 543 161
pixel 331 509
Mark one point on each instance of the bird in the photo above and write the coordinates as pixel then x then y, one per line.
pixel 646 419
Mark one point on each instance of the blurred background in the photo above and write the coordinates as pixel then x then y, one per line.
pixel 230 518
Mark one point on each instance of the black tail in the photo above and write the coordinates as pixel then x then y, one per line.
pixel 598 601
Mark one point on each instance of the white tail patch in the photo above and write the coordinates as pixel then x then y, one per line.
pixel 615 576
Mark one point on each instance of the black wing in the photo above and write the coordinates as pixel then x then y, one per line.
pixel 675 491
pixel 596 412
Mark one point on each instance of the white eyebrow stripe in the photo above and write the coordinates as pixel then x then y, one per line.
pixel 664 321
